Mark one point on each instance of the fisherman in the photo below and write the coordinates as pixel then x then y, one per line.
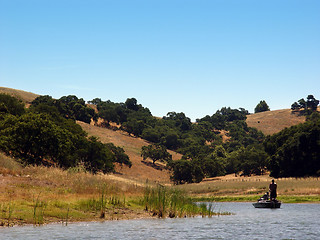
pixel 273 190
pixel 266 196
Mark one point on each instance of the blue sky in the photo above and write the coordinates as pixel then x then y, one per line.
pixel 171 55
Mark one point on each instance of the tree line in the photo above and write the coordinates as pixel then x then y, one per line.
pixel 46 134
pixel 295 151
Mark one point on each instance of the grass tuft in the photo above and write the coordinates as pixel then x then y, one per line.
pixel 171 202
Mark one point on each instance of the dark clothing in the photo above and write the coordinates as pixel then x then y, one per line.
pixel 273 190
pixel 273 195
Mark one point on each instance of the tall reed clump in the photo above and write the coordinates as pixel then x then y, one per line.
pixel 6 213
pixel 163 202
pixel 96 204
pixel 38 210
pixel 106 200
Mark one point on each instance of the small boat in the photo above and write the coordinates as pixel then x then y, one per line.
pixel 262 203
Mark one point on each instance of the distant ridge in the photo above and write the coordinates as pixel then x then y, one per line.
pixel 268 122
pixel 26 97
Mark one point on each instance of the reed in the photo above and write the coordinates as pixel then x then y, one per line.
pixel 6 213
pixel 171 202
pixel 38 211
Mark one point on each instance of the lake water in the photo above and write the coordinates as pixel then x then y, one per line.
pixel 291 221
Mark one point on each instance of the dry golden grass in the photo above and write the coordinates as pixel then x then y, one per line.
pixel 268 122
pixel 8 166
pixel 56 194
pixel 39 179
pixel 271 122
pixel 72 195
pixel 26 97
pixel 56 183
pixel 231 185
pixel 140 170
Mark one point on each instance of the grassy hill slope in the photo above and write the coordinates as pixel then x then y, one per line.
pixel 271 122
pixel 140 170
pixel 268 122
pixel 26 97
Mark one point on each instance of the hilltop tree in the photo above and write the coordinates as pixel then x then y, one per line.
pixel 46 99
pixel 312 103
pixel 309 106
pixel 70 107
pixel 261 107
pixel 178 120
pixel 295 106
pixel 302 103
pixel 132 104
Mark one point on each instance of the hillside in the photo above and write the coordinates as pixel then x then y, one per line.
pixel 26 97
pixel 140 170
pixel 271 122
pixel 268 122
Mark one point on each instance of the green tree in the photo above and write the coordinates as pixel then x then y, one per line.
pixel 51 140
pixel 312 103
pixel 214 164
pixel 132 104
pixel 302 103
pixel 95 101
pixel 185 171
pixel 309 106
pixel 11 105
pixel 155 152
pixel 151 134
pixel 46 99
pixel 119 155
pixel 295 106
pixel 178 120
pixel 249 160
pixel 171 140
pixel 181 172
pixel 98 157
pixel 261 107
pixel 72 107
pixel 295 151
pixel 36 140
pixel 134 126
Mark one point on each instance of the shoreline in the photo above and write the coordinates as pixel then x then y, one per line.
pixel 41 195
pixel 305 199
pixel 126 213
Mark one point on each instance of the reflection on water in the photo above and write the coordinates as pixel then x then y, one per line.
pixel 291 221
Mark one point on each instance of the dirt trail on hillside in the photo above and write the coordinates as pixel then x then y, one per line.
pixel 140 170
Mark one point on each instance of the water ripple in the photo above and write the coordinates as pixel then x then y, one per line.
pixel 292 221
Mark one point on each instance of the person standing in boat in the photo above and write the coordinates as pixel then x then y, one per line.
pixel 273 190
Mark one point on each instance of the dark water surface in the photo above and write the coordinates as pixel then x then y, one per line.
pixel 291 221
